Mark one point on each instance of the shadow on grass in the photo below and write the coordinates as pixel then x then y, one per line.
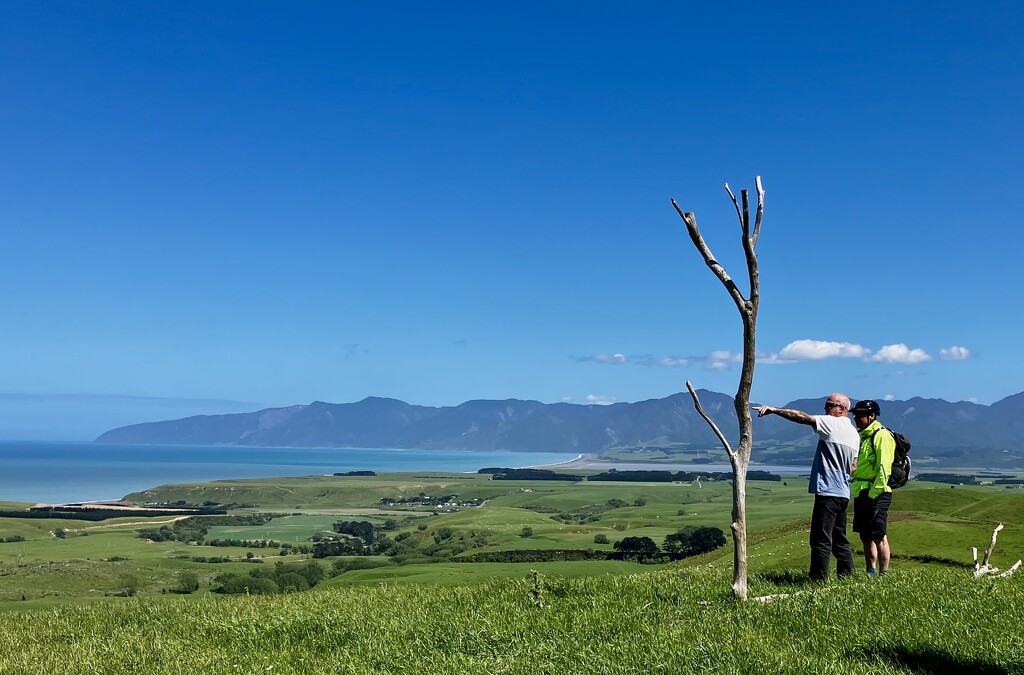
pixel 934 560
pixel 785 578
pixel 931 660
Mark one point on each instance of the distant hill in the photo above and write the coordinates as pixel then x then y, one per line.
pixel 943 433
pixel 473 425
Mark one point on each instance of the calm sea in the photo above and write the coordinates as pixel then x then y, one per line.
pixel 72 472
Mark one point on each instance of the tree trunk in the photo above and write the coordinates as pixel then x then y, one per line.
pixel 739 529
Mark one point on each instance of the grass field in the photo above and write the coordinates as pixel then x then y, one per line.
pixel 430 613
pixel 670 621
pixel 931 524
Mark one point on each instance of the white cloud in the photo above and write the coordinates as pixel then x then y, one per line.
pixel 600 400
pixel 604 358
pixel 815 350
pixel 722 360
pixel 651 361
pixel 794 352
pixel 889 397
pixel 899 353
pixel 955 353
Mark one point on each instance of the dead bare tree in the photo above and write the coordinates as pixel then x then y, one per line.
pixel 747 306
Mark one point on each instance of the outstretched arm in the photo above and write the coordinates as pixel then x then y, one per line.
pixel 798 416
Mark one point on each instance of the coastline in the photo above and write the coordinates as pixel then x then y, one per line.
pixel 564 464
pixel 591 462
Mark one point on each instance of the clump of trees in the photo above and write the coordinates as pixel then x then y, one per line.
pixel 188 582
pixel 281 578
pixel 687 542
pixel 528 474
pixel 590 513
pixel 637 549
pixel 196 528
pixel 358 538
pixel 691 541
pixel 535 555
pixel 423 499
pixel 360 529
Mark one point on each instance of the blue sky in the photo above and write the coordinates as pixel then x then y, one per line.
pixel 237 205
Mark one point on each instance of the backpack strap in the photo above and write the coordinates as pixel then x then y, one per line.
pixel 874 447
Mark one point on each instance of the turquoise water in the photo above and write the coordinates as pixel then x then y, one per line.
pixel 72 472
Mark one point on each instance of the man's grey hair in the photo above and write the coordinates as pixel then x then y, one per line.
pixel 840 398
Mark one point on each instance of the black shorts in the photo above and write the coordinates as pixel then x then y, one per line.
pixel 871 516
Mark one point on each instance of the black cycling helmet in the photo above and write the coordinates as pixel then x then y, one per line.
pixel 867 407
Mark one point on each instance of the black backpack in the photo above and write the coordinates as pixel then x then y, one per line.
pixel 901 459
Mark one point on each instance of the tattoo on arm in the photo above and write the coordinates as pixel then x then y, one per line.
pixel 798 416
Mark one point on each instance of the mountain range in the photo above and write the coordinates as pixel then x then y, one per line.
pixel 943 433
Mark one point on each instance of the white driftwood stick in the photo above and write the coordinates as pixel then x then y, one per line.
pixel 988 552
pixel 1012 570
pixel 985 569
pixel 774 597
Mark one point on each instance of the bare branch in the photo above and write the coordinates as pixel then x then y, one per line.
pixel 748 251
pixel 777 596
pixel 709 258
pixel 734 203
pixel 1013 569
pixel 711 422
pixel 760 211
pixel 745 220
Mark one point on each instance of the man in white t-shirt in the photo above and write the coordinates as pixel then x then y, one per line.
pixel 834 459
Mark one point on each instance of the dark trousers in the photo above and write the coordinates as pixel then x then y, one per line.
pixel 828 537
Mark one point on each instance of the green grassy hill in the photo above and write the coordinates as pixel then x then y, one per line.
pixel 427 609
pixel 671 621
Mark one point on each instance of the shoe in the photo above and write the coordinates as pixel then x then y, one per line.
pixel 872 572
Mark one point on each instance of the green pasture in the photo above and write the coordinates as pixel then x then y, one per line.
pixel 456 574
pixel 670 621
pixel 931 525
pixel 310 493
pixel 290 528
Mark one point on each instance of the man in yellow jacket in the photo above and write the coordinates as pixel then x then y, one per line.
pixel 872 494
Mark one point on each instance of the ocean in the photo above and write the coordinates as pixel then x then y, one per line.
pixel 57 472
